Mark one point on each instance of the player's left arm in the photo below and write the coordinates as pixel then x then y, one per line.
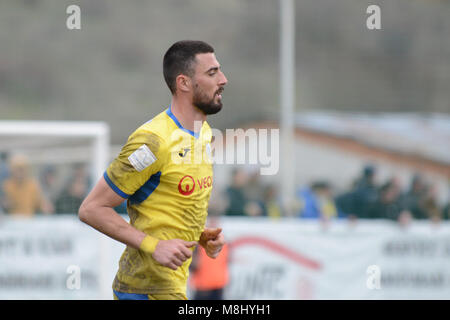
pixel 212 240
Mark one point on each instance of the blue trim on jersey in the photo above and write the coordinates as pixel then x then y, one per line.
pixel 114 187
pixel 146 190
pixel 130 296
pixel 172 116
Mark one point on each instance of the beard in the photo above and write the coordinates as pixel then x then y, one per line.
pixel 205 104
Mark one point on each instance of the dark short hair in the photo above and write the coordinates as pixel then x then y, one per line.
pixel 320 185
pixel 180 59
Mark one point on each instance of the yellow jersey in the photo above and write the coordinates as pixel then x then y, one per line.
pixel 165 173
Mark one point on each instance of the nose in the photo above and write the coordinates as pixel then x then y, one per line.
pixel 223 79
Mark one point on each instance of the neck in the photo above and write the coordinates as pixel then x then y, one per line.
pixel 187 114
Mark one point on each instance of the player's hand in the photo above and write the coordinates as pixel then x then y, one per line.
pixel 173 253
pixel 212 240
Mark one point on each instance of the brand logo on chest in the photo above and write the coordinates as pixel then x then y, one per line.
pixel 187 184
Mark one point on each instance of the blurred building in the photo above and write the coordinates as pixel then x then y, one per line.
pixel 334 147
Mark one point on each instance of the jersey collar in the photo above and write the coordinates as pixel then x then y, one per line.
pixel 196 135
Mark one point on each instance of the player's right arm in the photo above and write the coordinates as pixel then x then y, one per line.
pixel 97 210
pixel 143 155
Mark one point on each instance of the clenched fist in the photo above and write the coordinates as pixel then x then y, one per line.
pixel 173 253
pixel 212 240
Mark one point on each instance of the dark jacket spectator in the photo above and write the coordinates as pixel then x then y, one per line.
pixel 446 212
pixel 414 200
pixel 359 201
pixel 236 195
pixel 70 199
pixel 387 205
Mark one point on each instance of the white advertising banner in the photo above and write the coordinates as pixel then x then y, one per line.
pixel 61 258
pixel 51 258
pixel 300 259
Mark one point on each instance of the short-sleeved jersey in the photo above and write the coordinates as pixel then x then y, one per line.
pixel 165 172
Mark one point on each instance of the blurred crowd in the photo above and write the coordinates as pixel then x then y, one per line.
pixel 365 199
pixel 368 200
pixel 25 192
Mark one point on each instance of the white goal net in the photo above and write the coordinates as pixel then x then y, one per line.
pixel 54 155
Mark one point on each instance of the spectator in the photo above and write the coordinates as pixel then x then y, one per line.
pixel 236 194
pixel 4 170
pixel 414 199
pixel 70 199
pixel 387 205
pixel 253 187
pixel 218 202
pixel 4 174
pixel 358 201
pixel 270 205
pixel 446 212
pixel 209 276
pixel 431 207
pixel 366 192
pixel 344 204
pixel 49 183
pixel 253 193
pixel 22 193
pixel 253 209
pixel 317 202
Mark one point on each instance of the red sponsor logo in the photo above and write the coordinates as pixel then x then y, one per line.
pixel 205 182
pixel 187 184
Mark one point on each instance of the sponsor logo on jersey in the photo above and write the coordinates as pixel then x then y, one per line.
pixel 187 184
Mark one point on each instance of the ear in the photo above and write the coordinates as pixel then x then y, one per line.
pixel 184 83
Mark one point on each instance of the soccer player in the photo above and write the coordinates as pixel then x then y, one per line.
pixel 165 173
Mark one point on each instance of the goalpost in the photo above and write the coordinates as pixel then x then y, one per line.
pixel 21 133
pixel 61 145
